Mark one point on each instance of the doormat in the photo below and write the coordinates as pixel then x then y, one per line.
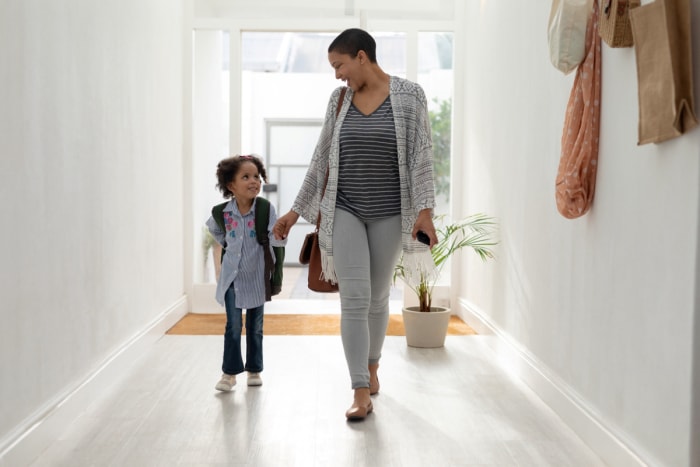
pixel 202 324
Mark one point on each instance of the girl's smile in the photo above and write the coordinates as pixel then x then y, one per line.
pixel 246 184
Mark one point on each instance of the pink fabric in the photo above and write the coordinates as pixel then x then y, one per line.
pixel 575 182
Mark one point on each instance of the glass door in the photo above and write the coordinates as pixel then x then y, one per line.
pixel 265 93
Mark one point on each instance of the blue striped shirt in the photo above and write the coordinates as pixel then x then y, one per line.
pixel 243 264
pixel 368 175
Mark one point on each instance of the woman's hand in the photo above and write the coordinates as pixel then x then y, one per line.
pixel 424 222
pixel 284 225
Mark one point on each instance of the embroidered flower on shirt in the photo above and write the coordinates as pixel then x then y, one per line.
pixel 230 224
pixel 251 226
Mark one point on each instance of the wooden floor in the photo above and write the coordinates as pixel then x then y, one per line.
pixel 452 406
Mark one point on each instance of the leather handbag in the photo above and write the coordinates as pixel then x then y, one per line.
pixel 310 250
pixel 311 254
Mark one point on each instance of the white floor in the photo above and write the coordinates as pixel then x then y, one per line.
pixel 452 406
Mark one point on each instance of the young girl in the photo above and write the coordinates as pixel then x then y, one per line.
pixel 242 280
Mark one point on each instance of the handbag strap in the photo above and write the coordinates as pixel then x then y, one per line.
pixel 341 98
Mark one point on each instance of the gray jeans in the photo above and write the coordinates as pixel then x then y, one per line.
pixel 364 255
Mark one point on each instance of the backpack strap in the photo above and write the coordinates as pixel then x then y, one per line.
pixel 217 212
pixel 262 219
pixel 274 271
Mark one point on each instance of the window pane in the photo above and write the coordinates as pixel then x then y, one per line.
pixel 391 52
pixel 291 142
pixel 285 86
pixel 435 75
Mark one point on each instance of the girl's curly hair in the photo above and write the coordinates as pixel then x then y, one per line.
pixel 227 169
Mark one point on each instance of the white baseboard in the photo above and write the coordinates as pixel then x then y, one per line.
pixel 34 435
pixel 607 441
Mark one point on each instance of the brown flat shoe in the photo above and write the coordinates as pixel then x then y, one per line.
pixel 359 413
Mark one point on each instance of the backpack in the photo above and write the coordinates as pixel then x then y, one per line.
pixel 273 270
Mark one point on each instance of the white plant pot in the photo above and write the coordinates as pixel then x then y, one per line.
pixel 426 329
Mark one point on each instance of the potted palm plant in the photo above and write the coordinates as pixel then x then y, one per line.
pixel 425 324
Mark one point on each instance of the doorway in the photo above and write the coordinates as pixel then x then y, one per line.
pixel 265 93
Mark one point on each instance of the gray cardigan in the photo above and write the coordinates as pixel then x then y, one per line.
pixel 415 158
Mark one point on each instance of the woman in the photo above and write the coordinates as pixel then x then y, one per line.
pixel 376 156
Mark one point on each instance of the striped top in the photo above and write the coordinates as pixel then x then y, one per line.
pixel 368 176
pixel 415 159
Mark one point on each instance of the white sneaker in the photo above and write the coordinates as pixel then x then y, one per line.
pixel 254 379
pixel 226 383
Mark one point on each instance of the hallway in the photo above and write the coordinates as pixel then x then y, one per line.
pixel 453 406
pixel 110 140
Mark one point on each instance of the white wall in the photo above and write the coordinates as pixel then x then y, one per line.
pixel 604 304
pixel 91 171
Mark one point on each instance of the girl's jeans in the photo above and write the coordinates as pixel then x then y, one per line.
pixel 364 255
pixel 233 360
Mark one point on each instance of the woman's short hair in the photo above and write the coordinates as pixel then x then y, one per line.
pixel 351 41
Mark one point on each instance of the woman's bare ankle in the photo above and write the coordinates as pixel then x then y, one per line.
pixel 373 379
pixel 361 396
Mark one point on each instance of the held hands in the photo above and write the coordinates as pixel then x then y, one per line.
pixel 424 223
pixel 284 225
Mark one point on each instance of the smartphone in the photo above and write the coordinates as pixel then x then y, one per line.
pixel 423 237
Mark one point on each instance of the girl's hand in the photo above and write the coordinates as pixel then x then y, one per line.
pixel 284 225
pixel 424 222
